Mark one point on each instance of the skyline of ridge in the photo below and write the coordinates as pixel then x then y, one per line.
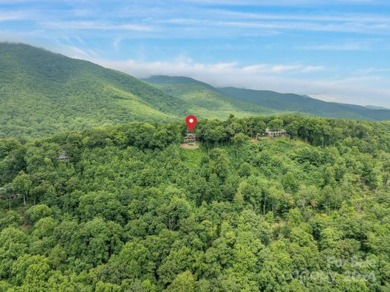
pixel 191 80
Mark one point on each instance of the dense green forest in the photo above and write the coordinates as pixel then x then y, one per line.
pixel 124 208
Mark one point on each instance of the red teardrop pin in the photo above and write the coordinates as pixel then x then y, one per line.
pixel 191 122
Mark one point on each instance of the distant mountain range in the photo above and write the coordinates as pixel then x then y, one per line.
pixel 376 107
pixel 43 93
pixel 204 100
pixel 270 101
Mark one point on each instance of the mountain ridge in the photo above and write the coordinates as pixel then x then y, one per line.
pixel 273 101
pixel 42 93
pixel 204 98
pixel 305 104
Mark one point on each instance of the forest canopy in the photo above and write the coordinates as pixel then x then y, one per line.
pixel 125 208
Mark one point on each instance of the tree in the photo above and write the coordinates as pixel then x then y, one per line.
pixel 275 124
pixel 42 236
pixel 133 262
pixel 184 282
pixel 23 183
pixel 239 140
pixel 178 261
pixel 38 212
pixel 13 244
pixel 96 241
pixel 31 271
pixel 292 129
pixel 101 204
pixel 107 287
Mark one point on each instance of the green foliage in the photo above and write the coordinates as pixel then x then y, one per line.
pixel 183 282
pixel 37 212
pixel 127 209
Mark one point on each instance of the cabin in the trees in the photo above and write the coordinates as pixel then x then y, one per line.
pixel 272 134
pixel 190 138
pixel 63 156
pixel 277 133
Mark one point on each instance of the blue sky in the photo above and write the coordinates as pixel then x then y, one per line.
pixel 335 50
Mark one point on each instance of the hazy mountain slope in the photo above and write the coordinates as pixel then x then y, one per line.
pixel 246 101
pixel 203 99
pixel 376 107
pixel 42 93
pixel 305 104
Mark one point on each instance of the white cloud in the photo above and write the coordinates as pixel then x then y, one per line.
pixel 95 25
pixel 16 15
pixel 287 3
pixel 280 69
pixel 185 66
pixel 351 46
pixel 210 21
pixel 165 20
pixel 78 53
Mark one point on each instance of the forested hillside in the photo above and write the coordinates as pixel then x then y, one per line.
pixel 124 208
pixel 44 93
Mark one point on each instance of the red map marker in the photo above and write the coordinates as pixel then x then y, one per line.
pixel 191 122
